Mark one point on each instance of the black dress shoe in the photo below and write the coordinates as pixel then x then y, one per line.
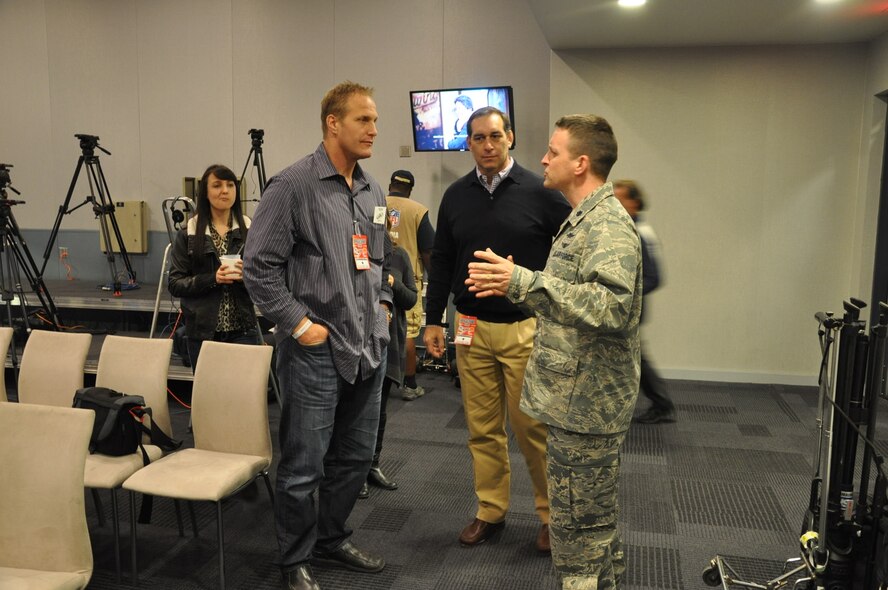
pixel 365 492
pixel 300 579
pixel 655 415
pixel 378 478
pixel 349 556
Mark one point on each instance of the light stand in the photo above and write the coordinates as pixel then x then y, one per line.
pixel 255 156
pixel 103 208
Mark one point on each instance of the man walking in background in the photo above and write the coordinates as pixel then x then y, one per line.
pixel 652 385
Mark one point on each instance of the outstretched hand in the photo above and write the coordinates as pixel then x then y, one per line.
pixel 491 277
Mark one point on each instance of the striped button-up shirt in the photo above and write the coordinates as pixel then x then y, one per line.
pixel 299 260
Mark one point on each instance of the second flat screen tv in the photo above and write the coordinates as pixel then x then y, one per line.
pixel 439 116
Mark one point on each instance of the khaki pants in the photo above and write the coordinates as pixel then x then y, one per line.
pixel 491 372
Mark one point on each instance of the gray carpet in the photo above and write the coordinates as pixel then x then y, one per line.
pixel 729 476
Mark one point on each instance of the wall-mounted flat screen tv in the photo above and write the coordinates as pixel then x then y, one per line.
pixel 440 116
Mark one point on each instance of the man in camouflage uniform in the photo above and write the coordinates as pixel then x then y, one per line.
pixel 582 376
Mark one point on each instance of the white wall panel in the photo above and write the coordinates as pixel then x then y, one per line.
pixel 185 82
pixel 750 160
pixel 25 121
pixel 94 89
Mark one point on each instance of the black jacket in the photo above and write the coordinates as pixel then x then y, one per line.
pixel 404 297
pixel 194 282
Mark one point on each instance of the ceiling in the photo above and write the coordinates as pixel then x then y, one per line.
pixel 584 24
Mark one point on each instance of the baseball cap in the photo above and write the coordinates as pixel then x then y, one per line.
pixel 404 177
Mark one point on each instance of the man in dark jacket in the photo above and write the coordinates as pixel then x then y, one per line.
pixel 652 385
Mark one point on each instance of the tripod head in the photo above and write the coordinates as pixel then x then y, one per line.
pixel 89 143
pixel 257 136
pixel 5 182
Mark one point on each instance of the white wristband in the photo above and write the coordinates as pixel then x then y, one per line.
pixel 308 324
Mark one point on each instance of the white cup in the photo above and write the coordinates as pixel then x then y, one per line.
pixel 229 259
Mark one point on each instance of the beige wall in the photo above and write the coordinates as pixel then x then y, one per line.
pixel 762 163
pixel 171 86
pixel 751 158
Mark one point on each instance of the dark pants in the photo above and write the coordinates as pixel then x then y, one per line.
pixel 383 416
pixel 327 436
pixel 235 337
pixel 653 386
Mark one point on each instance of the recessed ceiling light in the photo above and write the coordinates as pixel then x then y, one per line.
pixel 631 3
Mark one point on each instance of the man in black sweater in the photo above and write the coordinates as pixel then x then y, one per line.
pixel 501 206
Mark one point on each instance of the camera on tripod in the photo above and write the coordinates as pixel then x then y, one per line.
pixel 255 156
pixel 89 143
pixel 4 176
pixel 257 136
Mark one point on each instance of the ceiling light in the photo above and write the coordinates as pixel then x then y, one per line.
pixel 631 3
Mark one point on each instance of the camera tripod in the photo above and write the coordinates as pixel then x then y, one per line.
pixel 15 259
pixel 103 208
pixel 255 155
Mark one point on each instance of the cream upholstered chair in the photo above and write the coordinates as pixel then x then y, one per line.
pixel 232 442
pixel 52 367
pixel 5 340
pixel 134 366
pixel 44 542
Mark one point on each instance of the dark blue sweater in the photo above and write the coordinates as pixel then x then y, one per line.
pixel 520 218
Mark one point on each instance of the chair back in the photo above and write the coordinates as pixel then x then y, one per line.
pixel 229 399
pixel 5 339
pixel 42 514
pixel 138 366
pixel 52 367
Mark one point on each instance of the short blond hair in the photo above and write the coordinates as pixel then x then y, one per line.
pixel 592 136
pixel 335 101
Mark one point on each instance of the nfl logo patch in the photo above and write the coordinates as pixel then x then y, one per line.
pixel 394 217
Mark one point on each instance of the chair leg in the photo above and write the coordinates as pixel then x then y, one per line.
pixel 193 518
pixel 268 486
pixel 97 501
pixel 179 518
pixel 115 521
pixel 221 536
pixel 135 570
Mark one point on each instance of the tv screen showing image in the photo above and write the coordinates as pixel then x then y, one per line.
pixel 440 116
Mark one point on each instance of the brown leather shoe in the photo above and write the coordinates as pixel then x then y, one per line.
pixel 479 531
pixel 543 544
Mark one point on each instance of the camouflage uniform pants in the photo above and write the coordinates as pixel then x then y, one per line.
pixel 583 472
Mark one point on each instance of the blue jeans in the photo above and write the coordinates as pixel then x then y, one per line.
pixel 327 436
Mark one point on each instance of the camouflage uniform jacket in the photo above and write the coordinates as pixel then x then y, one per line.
pixel 583 373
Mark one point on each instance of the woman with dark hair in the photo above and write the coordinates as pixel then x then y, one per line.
pixel 205 272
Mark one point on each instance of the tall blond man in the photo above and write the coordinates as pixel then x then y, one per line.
pixel 314 266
